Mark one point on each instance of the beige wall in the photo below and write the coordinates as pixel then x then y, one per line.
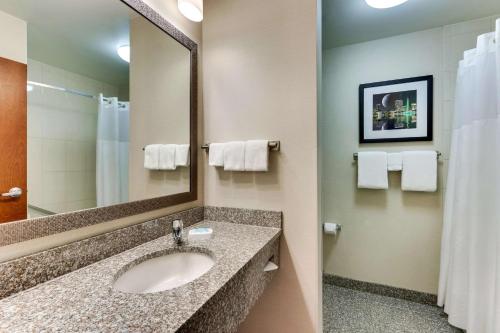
pixel 13 38
pixel 260 82
pixel 160 107
pixel 388 237
pixel 168 9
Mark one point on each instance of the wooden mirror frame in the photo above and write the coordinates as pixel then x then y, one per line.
pixel 23 230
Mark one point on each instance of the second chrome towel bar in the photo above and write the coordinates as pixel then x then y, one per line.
pixel 273 146
pixel 355 155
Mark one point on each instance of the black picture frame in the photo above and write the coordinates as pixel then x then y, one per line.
pixel 429 79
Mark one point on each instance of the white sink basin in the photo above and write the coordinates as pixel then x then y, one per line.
pixel 164 272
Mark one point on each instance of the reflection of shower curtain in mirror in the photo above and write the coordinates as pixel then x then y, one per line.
pixel 112 151
pixel 469 286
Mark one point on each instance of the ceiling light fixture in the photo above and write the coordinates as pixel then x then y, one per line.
pixel 124 52
pixel 383 4
pixel 191 9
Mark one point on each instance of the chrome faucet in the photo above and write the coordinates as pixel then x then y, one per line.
pixel 177 227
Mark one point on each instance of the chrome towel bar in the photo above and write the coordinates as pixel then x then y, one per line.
pixel 273 146
pixel 355 155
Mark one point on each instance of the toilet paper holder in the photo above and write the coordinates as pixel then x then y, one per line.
pixel 331 228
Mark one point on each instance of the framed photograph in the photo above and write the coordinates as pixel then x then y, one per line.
pixel 396 111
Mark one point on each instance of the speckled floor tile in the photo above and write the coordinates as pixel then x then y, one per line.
pixel 352 311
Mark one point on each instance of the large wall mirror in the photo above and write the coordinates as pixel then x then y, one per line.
pixel 102 122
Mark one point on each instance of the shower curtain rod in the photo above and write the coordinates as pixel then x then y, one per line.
pixel 71 91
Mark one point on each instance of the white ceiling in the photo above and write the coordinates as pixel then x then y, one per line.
pixel 353 21
pixel 77 35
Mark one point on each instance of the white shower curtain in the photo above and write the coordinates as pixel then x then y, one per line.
pixel 469 286
pixel 112 151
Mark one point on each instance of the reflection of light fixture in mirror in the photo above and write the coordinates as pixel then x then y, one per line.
pixel 192 9
pixel 124 52
pixel 29 87
pixel 382 4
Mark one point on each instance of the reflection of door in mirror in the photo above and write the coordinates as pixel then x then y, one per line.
pixel 12 140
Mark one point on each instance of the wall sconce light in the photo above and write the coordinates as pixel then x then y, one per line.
pixel 124 52
pixel 383 4
pixel 191 9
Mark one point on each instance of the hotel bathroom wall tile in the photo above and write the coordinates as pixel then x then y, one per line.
pixel 80 103
pixel 90 186
pixel 457 37
pixel 75 185
pixel 53 76
pixel 90 156
pixel 459 43
pixel 80 82
pixel 76 103
pixel 447 143
pixel 35 120
pixel 35 174
pixel 54 122
pixel 34 70
pixel 462 36
pixel 54 186
pixel 446 163
pixel 81 204
pixel 35 74
pixel 447 122
pixel 481 24
pixel 450 77
pixel 54 155
pixel 54 99
pixel 75 160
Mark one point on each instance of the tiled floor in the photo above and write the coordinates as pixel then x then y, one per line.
pixel 352 311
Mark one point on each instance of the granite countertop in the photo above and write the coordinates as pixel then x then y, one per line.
pixel 84 300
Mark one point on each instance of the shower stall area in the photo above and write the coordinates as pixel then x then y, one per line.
pixel 469 286
pixel 69 124
pixel 399 258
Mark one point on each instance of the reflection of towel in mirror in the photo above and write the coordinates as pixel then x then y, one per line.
pixel 167 157
pixel 152 157
pixel 182 155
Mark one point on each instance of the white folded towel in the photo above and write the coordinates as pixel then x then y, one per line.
pixel 394 162
pixel 256 155
pixel 234 156
pixel 182 155
pixel 152 157
pixel 419 171
pixel 372 170
pixel 216 154
pixel 167 157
